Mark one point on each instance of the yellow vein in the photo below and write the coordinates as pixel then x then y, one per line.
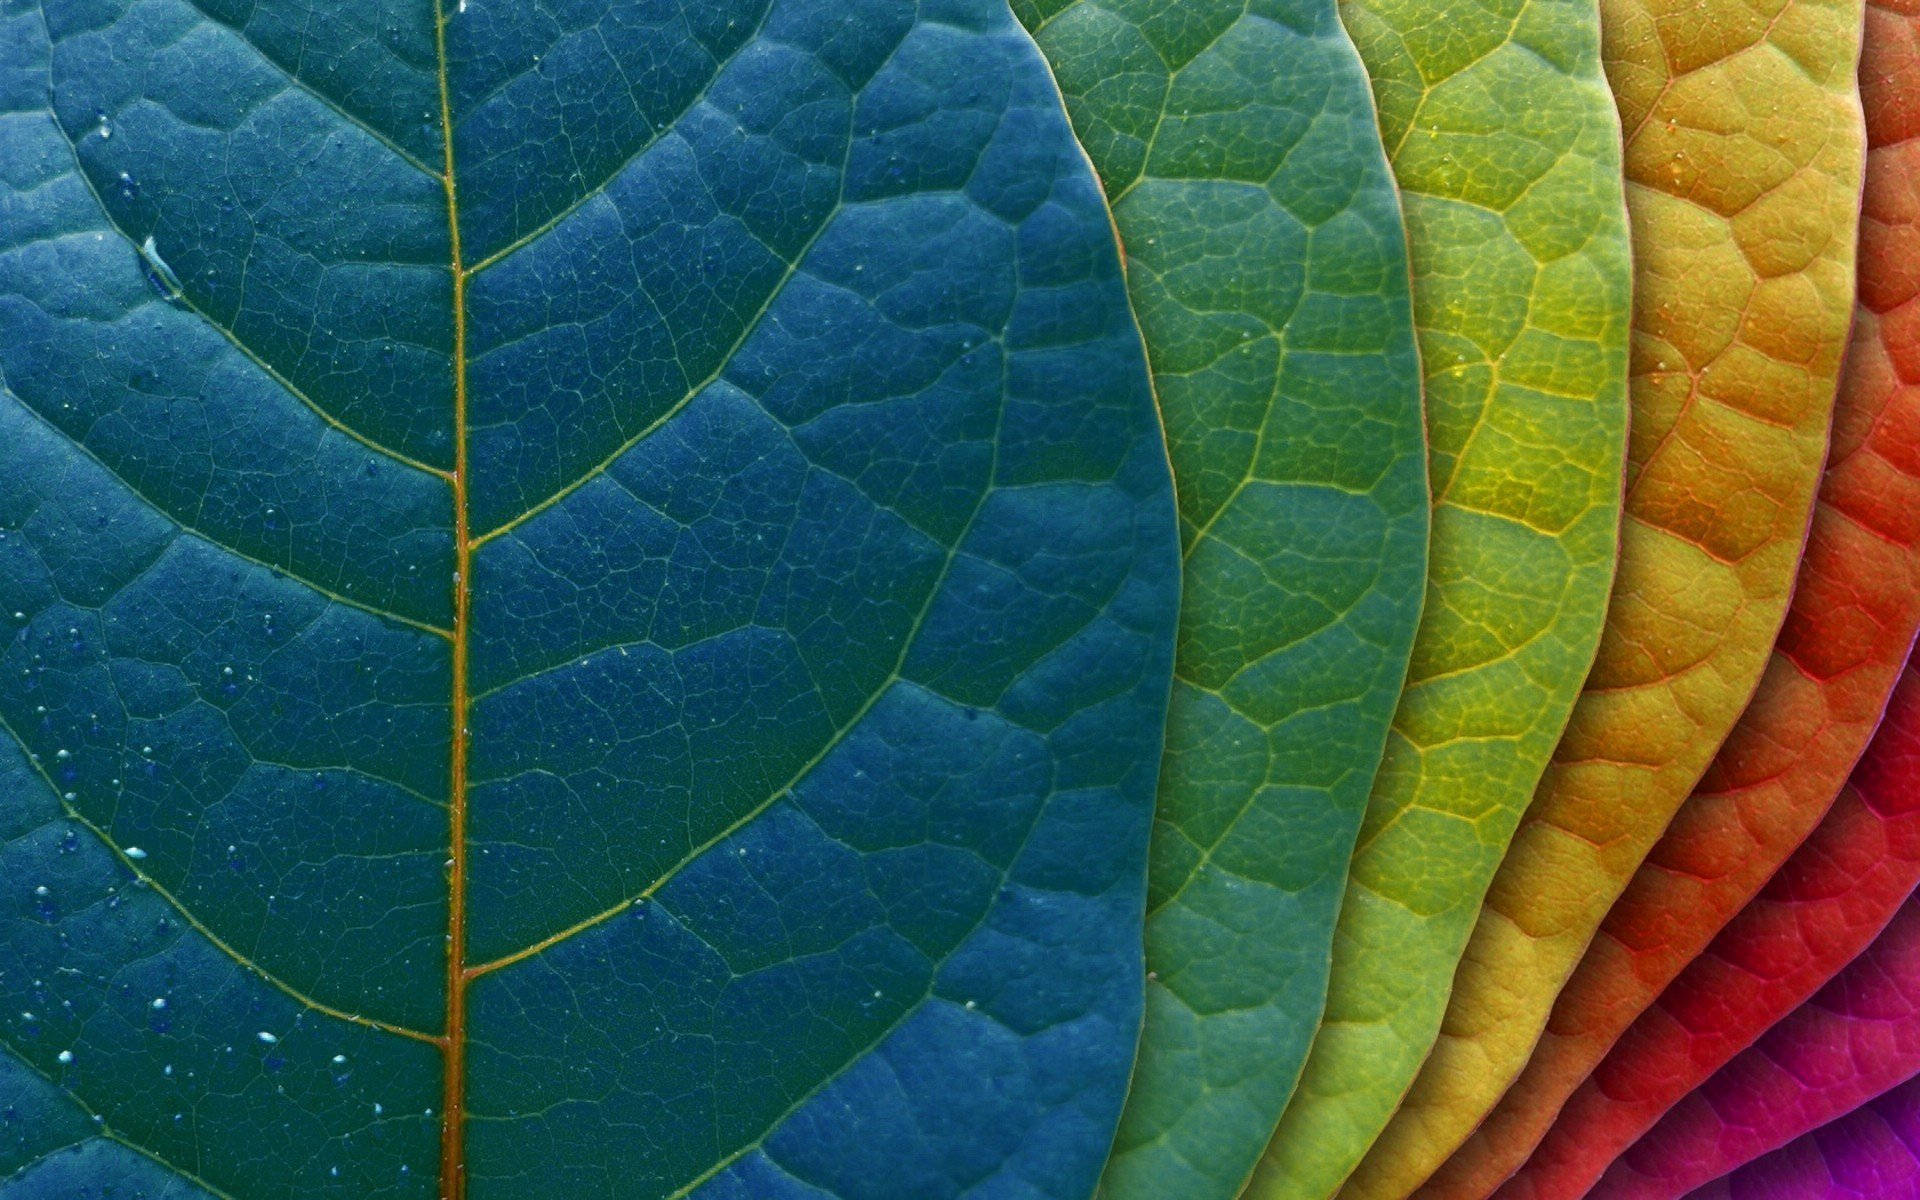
pixel 839 735
pixel 453 1162
pixel 187 915
pixel 164 274
pixel 224 547
pixel 693 855
pixel 726 359
pixel 319 97
pixel 547 226
pixel 101 1129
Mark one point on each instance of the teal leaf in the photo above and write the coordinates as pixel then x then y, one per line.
pixel 1268 265
pixel 626 655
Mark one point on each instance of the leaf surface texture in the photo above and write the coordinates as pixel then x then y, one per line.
pixel 1854 1039
pixel 1821 909
pixel 1743 161
pixel 1505 146
pixel 1871 1153
pixel 1855 608
pixel 621 655
pixel 1267 263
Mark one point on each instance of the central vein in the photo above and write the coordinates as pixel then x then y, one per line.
pixel 453 1179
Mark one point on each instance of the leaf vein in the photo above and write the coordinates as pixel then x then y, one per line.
pixel 187 914
pixel 105 1131
pixel 164 274
pixel 220 544
pixel 839 735
pixel 318 96
pixel 658 133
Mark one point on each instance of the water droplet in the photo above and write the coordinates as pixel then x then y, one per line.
pixel 159 1002
pixel 266 1037
pixel 65 1056
pixel 136 853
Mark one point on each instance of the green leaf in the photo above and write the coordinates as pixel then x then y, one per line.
pixel 1743 180
pixel 1267 263
pixel 1506 147
pixel 623 655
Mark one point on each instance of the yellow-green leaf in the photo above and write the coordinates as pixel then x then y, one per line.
pixel 1505 144
pixel 1743 182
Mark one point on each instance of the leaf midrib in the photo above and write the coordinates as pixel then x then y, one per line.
pixel 453 1042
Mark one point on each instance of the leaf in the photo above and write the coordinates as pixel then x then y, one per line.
pixel 714 606
pixel 1855 608
pixel 1518 244
pixel 1743 162
pixel 1826 904
pixel 1872 1152
pixel 1267 263
pixel 1854 1039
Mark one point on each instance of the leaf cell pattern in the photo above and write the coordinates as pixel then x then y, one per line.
pixel 1505 146
pixel 1870 1153
pixel 1267 264
pixel 1856 1038
pixel 1824 906
pixel 590 594
pixel 1743 161
pixel 1854 611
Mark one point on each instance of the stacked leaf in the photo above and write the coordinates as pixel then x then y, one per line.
pixel 591 597
pixel 595 604
pixel 1267 264
pixel 1854 613
pixel 1827 904
pixel 1858 1037
pixel 1871 1153
pixel 1505 146
pixel 1743 167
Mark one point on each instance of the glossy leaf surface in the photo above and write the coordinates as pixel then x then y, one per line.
pixel 1744 232
pixel 1267 264
pixel 1872 1153
pixel 661 607
pixel 1506 148
pixel 1826 904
